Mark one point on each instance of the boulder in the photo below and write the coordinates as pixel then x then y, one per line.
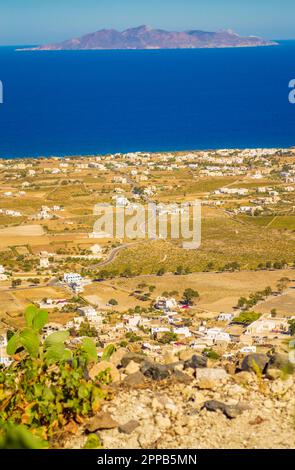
pixel 254 361
pixel 104 366
pixel 118 356
pixel 279 361
pixel 196 362
pixel 273 374
pixel 244 377
pixel 134 380
pixel 230 368
pixel 155 371
pixel 211 374
pixel 181 377
pixel 135 357
pixel 132 368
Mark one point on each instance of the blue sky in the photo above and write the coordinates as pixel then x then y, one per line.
pixel 42 21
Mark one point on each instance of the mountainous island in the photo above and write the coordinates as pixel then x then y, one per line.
pixel 144 37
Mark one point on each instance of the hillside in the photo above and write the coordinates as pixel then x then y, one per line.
pixel 144 37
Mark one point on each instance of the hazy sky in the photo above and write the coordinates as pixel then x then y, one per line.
pixel 41 21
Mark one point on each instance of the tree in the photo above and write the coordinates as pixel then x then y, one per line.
pixel 273 312
pixel 268 291
pixel 189 295
pixel 209 267
pixel 168 337
pixel 161 272
pixel 113 302
pixel 282 284
pixel 16 282
pixel 246 318
pixel 241 302
pixel 87 330
pixel 292 327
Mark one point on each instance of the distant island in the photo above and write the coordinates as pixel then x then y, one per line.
pixel 144 37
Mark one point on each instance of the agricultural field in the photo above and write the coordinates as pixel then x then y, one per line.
pixel 218 291
pixel 56 198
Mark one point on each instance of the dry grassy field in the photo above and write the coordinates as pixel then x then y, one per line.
pixel 218 291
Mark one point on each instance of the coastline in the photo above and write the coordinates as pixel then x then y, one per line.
pixel 246 46
pixel 146 151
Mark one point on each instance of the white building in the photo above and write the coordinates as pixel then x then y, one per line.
pixel 184 331
pixel 72 278
pixel 44 260
pixel 3 276
pixel 225 317
pixel 162 303
pixel 90 314
pixel 96 250
pixel 217 334
pixel 268 325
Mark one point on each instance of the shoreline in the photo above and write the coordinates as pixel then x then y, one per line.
pixel 122 153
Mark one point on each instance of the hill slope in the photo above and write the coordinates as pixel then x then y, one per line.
pixel 144 37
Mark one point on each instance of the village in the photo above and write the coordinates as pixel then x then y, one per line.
pixel 211 323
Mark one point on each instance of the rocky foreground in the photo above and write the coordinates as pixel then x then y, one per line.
pixel 192 404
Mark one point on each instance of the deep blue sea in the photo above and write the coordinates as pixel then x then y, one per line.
pixel 89 102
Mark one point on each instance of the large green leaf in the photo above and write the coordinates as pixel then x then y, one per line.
pixel 57 353
pixel 40 320
pixel 30 340
pixel 30 314
pixel 13 344
pixel 89 348
pixel 59 337
pixel 19 437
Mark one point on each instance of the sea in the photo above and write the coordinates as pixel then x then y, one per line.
pixel 98 102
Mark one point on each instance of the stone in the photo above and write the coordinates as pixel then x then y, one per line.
pixel 278 361
pixel 155 371
pixel 135 357
pixel 135 379
pixel 253 361
pixel 182 377
pixel 211 374
pixel 230 411
pixel 196 362
pixel 132 368
pixel 118 355
pixel 103 366
pixel 129 427
pixel 273 374
pixel 244 377
pixel 101 421
pixel 230 368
